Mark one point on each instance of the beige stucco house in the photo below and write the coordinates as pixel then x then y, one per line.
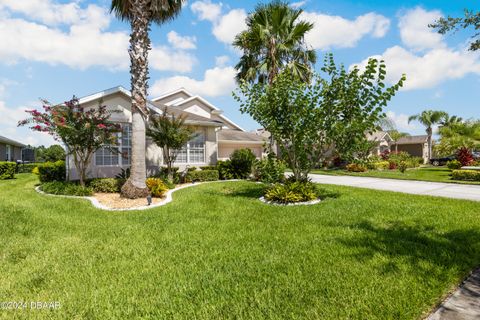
pixel 217 136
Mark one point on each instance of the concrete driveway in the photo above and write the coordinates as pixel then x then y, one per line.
pixel 436 189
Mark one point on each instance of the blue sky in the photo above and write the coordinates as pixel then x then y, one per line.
pixel 54 49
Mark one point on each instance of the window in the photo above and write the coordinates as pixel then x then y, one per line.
pixel 114 155
pixel 9 152
pixel 126 144
pixel 193 151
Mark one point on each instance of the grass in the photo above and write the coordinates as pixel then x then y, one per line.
pixel 216 252
pixel 435 174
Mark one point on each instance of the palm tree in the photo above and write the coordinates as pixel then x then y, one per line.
pixel 140 14
pixel 429 118
pixel 273 41
pixel 396 135
pixel 450 120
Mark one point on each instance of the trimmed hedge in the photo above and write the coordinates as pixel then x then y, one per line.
pixel 203 175
pixel 454 165
pixel 27 168
pixel 52 171
pixel 7 170
pixel 208 168
pixel 66 188
pixel 106 185
pixel 466 175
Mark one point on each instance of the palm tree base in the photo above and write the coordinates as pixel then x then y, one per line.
pixel 130 191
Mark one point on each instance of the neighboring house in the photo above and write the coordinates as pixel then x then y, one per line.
pixel 217 136
pixel 383 141
pixel 415 145
pixel 10 150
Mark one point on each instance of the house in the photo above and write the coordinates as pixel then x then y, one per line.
pixel 10 150
pixel 414 145
pixel 216 135
pixel 382 141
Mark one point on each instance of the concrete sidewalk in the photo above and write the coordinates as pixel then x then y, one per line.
pixel 437 189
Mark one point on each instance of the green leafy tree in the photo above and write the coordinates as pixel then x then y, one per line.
pixel 273 41
pixel 449 24
pixel 54 153
pixel 458 135
pixel 429 118
pixel 307 118
pixel 82 131
pixel 450 120
pixel 140 14
pixel 170 133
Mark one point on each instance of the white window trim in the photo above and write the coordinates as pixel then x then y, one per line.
pixel 188 162
pixel 119 147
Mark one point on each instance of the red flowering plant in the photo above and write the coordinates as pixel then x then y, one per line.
pixel 82 130
pixel 464 156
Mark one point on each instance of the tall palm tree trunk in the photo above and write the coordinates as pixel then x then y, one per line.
pixel 139 45
pixel 429 142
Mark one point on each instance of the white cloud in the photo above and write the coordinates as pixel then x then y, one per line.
pixel 206 10
pixel 414 30
pixel 426 69
pixel 181 42
pixel 298 4
pixel 165 59
pixel 216 82
pixel 335 31
pixel 221 61
pixel 229 25
pixel 401 121
pixel 8 127
pixel 82 44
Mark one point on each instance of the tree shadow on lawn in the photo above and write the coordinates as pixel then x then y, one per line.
pixel 423 248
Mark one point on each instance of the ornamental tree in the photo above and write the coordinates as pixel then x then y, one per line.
pixel 83 131
pixel 307 119
pixel 170 133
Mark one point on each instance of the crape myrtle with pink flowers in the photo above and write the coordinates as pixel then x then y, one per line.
pixel 82 130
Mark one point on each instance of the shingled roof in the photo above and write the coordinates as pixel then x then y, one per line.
pixel 190 118
pixel 413 139
pixel 237 135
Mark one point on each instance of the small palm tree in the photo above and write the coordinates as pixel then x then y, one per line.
pixel 140 14
pixel 429 118
pixel 274 40
pixel 396 135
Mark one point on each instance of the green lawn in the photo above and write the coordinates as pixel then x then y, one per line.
pixel 217 252
pixel 436 174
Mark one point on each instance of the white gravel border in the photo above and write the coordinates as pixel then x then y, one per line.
pixel 168 198
pixel 305 203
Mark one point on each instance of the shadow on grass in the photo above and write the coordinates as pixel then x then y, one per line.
pixel 419 246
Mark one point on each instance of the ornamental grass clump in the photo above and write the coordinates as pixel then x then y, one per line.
pixel 291 192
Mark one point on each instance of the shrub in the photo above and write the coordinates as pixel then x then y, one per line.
pixel 156 186
pixel 203 175
pixel 291 192
pixel 208 168
pixel 225 170
pixel 242 163
pixel 467 175
pixel 385 155
pixel 402 166
pixel 106 185
pixel 26 167
pixel 7 170
pixel 52 171
pixel 124 174
pixel 190 169
pixel 66 188
pixel 464 156
pixel 454 165
pixel 36 171
pixel 269 170
pixel 382 165
pixel 392 165
pixel 356 167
